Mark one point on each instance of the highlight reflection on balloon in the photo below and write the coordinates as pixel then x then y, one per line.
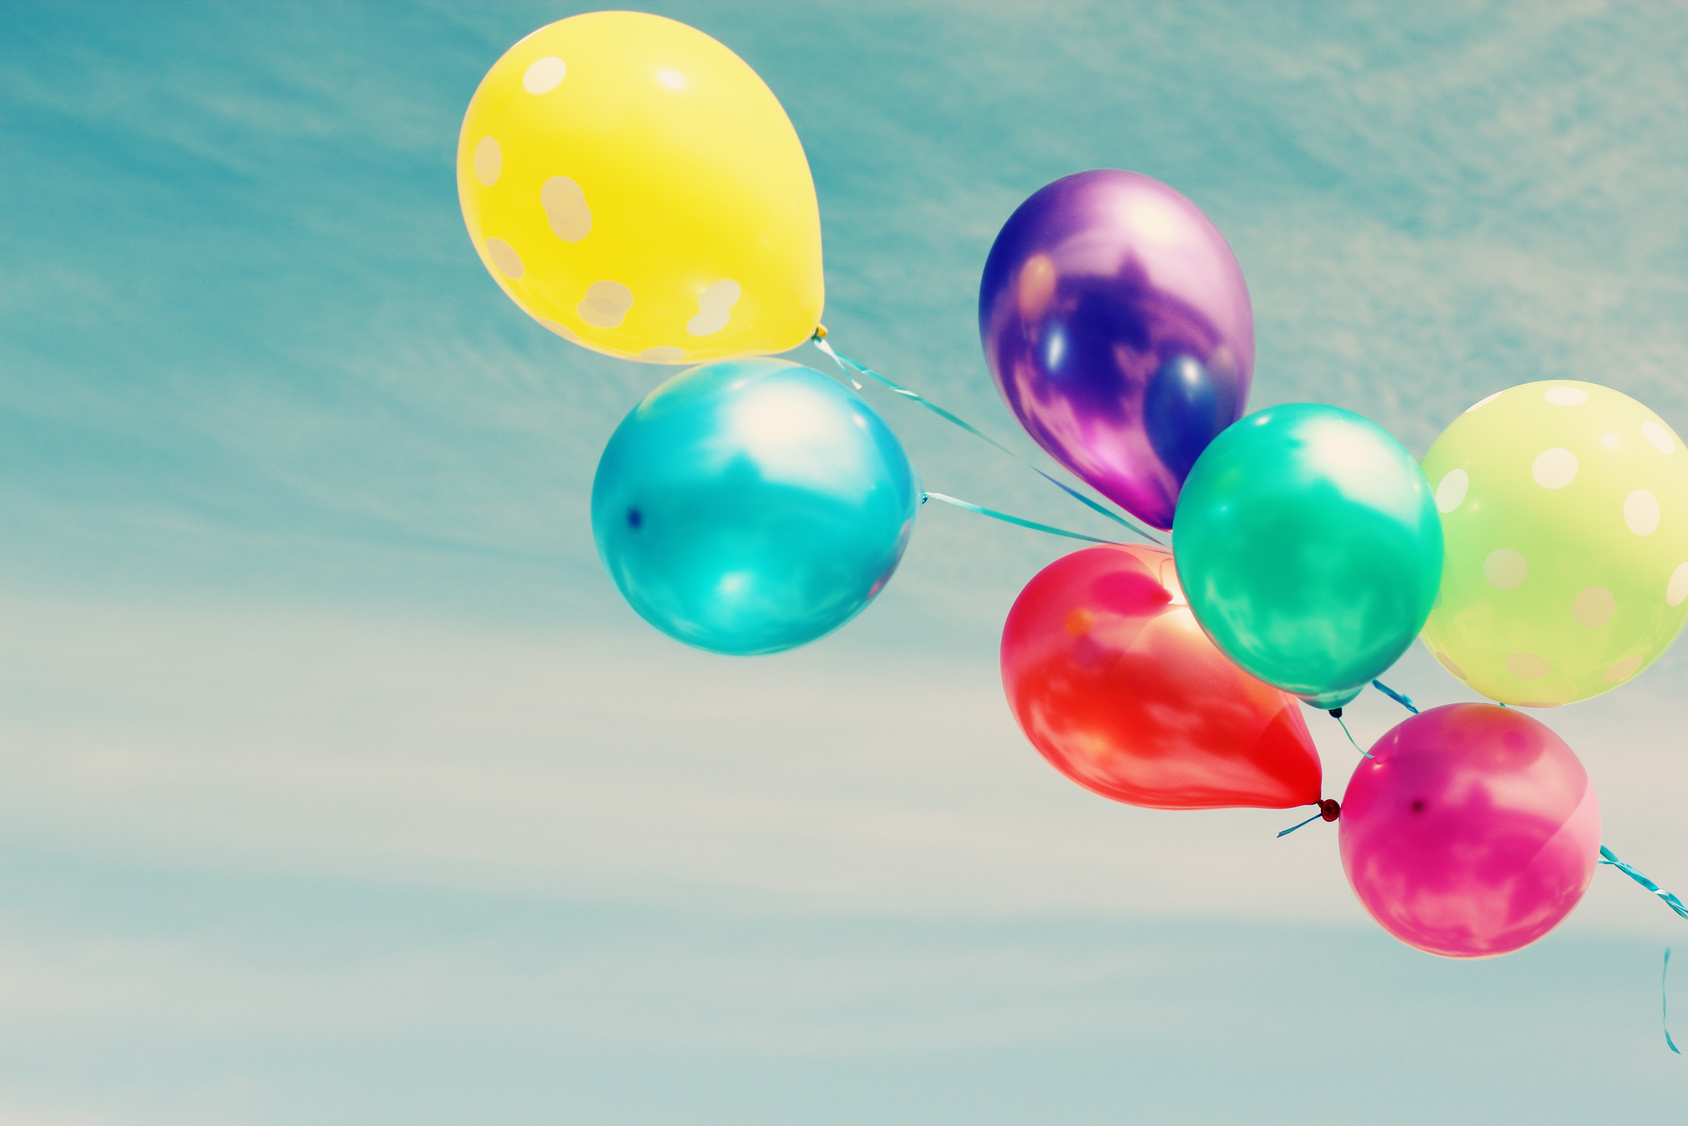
pixel 1470 832
pixel 750 506
pixel 1117 325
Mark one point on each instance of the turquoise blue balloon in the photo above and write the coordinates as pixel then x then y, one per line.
pixel 750 506
pixel 1310 549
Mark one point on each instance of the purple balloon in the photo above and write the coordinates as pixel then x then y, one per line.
pixel 1116 322
pixel 1471 831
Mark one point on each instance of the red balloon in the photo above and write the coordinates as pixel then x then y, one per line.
pixel 1113 681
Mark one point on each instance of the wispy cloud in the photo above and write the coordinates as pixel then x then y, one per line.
pixel 620 767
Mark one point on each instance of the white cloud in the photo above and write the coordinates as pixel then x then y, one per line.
pixel 621 765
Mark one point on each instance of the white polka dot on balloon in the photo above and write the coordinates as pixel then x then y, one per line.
pixel 1658 436
pixel 672 79
pixel 663 354
pixel 1623 670
pixel 544 75
pixel 1565 396
pixel 1505 569
pixel 1593 607
pixel 1483 402
pixel 489 161
pixel 606 304
pixel 1527 666
pixel 565 208
pixel 715 305
pixel 504 256
pixel 1677 589
pixel 1451 492
pixel 1554 469
pixel 1641 512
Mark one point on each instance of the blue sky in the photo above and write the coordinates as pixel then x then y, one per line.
pixel 338 786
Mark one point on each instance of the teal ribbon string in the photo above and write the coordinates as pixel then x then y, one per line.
pixel 1350 735
pixel 1607 856
pixel 851 369
pixel 1675 904
pixel 1007 519
pixel 1405 701
pixel 1664 1003
pixel 1309 821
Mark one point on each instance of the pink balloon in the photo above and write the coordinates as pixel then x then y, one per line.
pixel 1470 832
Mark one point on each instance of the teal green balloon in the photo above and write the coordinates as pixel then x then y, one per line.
pixel 749 506
pixel 1309 546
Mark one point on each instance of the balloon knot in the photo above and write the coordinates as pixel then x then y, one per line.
pixel 1336 713
pixel 1330 809
pixel 820 333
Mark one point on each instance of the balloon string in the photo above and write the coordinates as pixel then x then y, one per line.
pixel 851 369
pixel 1316 817
pixel 1007 519
pixel 1348 733
pixel 1664 1003
pixel 1404 701
pixel 1675 904
pixel 1329 810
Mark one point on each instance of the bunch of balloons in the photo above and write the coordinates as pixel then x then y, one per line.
pixel 634 187
pixel 1547 564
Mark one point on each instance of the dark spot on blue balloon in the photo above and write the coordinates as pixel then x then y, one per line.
pixel 1184 408
pixel 634 518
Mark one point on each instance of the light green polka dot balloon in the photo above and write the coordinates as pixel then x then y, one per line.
pixel 1565 518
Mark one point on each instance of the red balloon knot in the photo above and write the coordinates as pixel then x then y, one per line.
pixel 1330 809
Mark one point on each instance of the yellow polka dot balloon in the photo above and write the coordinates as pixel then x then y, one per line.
pixel 636 188
pixel 1565 523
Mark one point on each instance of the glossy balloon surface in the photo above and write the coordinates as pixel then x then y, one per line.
pixel 1565 509
pixel 1309 548
pixel 1470 832
pixel 1114 682
pixel 749 506
pixel 633 186
pixel 1116 323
